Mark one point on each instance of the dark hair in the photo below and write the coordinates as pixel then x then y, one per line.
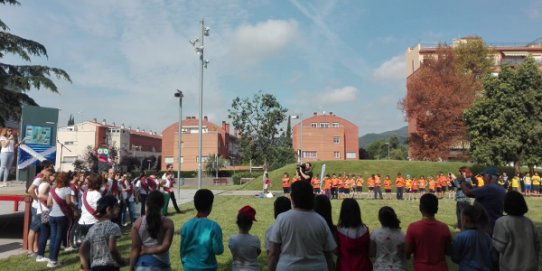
pixel 477 215
pixel 429 204
pixel 514 204
pixel 46 164
pixel 302 195
pixel 322 205
pixel 388 218
pixel 350 216
pixel 95 181
pixel 203 200
pixel 105 202
pixel 281 205
pixel 244 222
pixel 153 214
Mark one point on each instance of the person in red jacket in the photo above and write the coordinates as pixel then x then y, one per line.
pixel 353 239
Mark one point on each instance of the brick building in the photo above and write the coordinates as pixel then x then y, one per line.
pixel 511 55
pixel 129 142
pixel 216 140
pixel 326 137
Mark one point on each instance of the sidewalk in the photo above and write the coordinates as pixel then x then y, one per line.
pixel 11 223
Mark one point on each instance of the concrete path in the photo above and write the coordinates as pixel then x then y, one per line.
pixel 11 223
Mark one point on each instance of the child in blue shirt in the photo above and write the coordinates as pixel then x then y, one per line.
pixel 201 238
pixel 472 247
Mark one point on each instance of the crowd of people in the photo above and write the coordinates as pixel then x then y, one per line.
pixel 73 210
pixel 88 211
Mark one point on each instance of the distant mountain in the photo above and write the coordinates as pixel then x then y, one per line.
pixel 367 139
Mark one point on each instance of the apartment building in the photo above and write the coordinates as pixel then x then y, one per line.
pixel 73 141
pixel 326 137
pixel 216 140
pixel 510 54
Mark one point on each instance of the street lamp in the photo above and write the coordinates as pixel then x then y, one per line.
pixel 179 94
pixel 300 117
pixel 199 46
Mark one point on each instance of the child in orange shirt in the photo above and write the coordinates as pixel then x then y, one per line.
pixel 370 185
pixel 359 186
pixel 387 187
pixel 400 183
pixel 431 185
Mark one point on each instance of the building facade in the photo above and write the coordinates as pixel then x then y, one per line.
pixel 326 137
pixel 73 142
pixel 512 55
pixel 216 140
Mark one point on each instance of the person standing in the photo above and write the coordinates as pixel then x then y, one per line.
pixel 168 183
pixel 151 237
pixel 428 239
pixel 353 239
pixel 60 201
pixel 89 202
pixel 490 196
pixel 377 187
pixel 245 248
pixel 286 183
pixel 201 238
pixel 399 184
pixel 515 236
pixel 300 239
pixel 388 242
pixel 461 200
pixel 8 142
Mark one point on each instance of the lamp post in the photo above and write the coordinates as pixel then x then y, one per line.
pixel 300 117
pixel 179 94
pixel 200 51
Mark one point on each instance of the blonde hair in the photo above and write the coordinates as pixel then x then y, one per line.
pixel 5 131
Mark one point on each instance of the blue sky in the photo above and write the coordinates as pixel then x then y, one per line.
pixel 127 57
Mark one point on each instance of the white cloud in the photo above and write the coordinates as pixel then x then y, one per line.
pixel 391 70
pixel 339 95
pixel 252 43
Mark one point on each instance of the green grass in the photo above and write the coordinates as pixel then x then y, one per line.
pixel 225 211
pixel 364 168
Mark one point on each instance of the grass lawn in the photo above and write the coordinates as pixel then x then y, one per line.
pixel 225 211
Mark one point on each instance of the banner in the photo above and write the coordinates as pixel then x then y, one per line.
pixel 31 154
pixel 38 136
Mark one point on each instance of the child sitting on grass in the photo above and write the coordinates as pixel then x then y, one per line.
pixel 99 249
pixel 201 238
pixel 245 247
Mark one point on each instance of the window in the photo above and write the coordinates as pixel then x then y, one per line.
pixel 68 159
pixel 351 155
pixel 324 125
pixel 336 139
pixel 314 125
pixel 337 154
pixel 168 160
pixel 335 125
pixel 310 154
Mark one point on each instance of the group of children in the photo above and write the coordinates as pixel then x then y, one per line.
pixel 352 186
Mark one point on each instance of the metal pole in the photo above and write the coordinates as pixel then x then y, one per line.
pixel 179 154
pixel 200 139
pixel 301 136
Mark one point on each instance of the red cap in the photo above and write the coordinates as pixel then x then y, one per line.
pixel 249 212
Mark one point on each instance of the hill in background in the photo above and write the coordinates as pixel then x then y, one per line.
pixel 367 139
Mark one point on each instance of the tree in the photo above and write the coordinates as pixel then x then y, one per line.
pixel 17 80
pixel 438 93
pixel 379 149
pixel 505 123
pixel 71 120
pixel 214 163
pixel 257 121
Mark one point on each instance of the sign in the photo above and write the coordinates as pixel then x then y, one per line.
pixel 38 135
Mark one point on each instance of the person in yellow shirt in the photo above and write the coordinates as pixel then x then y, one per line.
pixel 479 181
pixel 408 186
pixel 514 183
pixel 536 184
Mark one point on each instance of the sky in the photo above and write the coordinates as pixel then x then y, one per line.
pixel 126 58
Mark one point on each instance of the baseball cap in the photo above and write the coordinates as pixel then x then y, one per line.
pixel 490 171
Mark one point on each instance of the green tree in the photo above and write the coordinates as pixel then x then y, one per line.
pixel 258 120
pixel 214 163
pixel 17 80
pixel 505 123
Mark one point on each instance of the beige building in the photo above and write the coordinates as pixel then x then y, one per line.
pixel 216 140
pixel 326 137
pixel 73 142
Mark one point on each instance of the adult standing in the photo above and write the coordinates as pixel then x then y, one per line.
pixel 305 172
pixel 168 183
pixel 8 142
pixel 461 200
pixel 490 196
pixel 89 201
pixel 300 238
pixel 35 221
pixel 60 201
